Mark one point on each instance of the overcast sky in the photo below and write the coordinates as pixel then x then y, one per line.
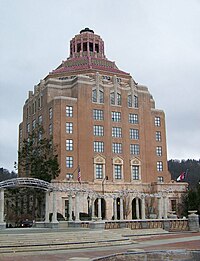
pixel 156 41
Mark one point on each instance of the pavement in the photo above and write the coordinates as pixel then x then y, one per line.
pixel 86 244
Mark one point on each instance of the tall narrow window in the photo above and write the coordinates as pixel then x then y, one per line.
pixel 135 101
pixel 101 97
pixel 119 99
pixel 135 172
pixel 118 171
pixel 69 162
pixel 94 95
pixel 158 136
pixel 69 145
pixel 129 101
pixel 40 120
pixel 69 127
pixel 159 166
pixel 50 129
pixel 99 171
pixel 159 151
pixel 157 121
pixel 112 98
pixel 50 113
pixel 69 111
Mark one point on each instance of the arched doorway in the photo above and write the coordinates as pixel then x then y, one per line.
pixel 136 208
pixel 103 208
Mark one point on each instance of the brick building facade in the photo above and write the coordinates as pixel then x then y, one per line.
pixel 105 124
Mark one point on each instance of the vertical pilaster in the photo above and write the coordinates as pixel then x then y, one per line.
pixel 160 203
pixel 121 209
pixel 92 208
pixel 47 207
pixel 77 207
pixel 1 205
pixel 70 207
pixel 165 206
pixel 54 217
pixel 143 208
pixel 115 208
pixel 99 209
pixel 137 208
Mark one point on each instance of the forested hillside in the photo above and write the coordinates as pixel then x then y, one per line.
pixel 176 167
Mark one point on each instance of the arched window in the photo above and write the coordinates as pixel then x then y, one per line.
pixel 94 95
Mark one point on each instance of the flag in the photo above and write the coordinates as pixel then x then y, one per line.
pixel 183 176
pixel 79 174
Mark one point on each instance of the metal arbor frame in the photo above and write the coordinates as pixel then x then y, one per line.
pixel 26 182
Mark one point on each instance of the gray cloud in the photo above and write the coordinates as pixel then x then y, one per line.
pixel 156 41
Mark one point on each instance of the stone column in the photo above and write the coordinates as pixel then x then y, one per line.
pixel 99 209
pixel 143 208
pixel 54 217
pixel 92 208
pixel 137 208
pixel 160 199
pixel 47 207
pixel 77 212
pixel 121 209
pixel 1 205
pixel 165 206
pixel 70 207
pixel 115 208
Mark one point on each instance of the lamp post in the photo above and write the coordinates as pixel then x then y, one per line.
pixel 88 201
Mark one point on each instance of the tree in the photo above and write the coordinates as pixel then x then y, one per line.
pixel 37 157
pixel 5 174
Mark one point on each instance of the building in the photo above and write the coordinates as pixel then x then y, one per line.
pixel 106 127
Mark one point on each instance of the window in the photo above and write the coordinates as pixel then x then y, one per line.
pixel 33 124
pixel 97 114
pixel 116 116
pixel 69 127
pixel 117 148
pixel 94 95
pixel 69 111
pixel 160 179
pixel 159 166
pixel 101 97
pixel 50 113
pixel 118 171
pixel 135 101
pixel 69 145
pixel 157 121
pixel 28 127
pixel 98 130
pixel 99 171
pixel 112 98
pixel 173 205
pixel 159 151
pixel 116 132
pixel 129 101
pixel 40 120
pixel 134 134
pixel 98 146
pixel 133 118
pixel 69 162
pixel 119 99
pixel 135 172
pixel 158 136
pixel 39 135
pixel 50 129
pixel 135 149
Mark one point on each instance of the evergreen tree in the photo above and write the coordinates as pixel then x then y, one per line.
pixel 37 157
